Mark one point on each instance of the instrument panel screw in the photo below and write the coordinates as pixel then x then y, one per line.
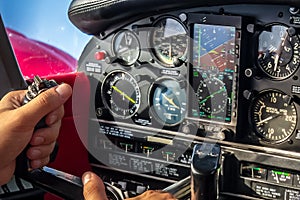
pixel 99 112
pixel 183 17
pixel 294 10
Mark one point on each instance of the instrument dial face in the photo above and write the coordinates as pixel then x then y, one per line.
pixel 278 51
pixel 121 94
pixel 273 116
pixel 126 47
pixel 169 41
pixel 212 95
pixel 168 102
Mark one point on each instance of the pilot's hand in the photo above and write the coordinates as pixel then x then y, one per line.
pixel 17 127
pixel 154 195
pixel 93 187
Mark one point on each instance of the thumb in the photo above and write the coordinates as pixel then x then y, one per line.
pixel 93 187
pixel 46 102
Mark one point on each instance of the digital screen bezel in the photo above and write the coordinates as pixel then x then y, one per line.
pixel 230 22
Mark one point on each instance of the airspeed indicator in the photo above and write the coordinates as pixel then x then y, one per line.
pixel 273 116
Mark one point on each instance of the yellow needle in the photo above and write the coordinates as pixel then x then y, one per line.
pixel 213 51
pixel 170 51
pixel 170 101
pixel 123 94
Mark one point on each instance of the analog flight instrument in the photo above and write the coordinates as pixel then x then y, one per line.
pixel 168 101
pixel 279 51
pixel 273 116
pixel 169 41
pixel 121 94
pixel 126 47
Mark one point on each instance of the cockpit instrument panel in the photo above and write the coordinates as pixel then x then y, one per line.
pixel 198 73
pixel 226 74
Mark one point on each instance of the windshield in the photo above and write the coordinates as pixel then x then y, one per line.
pixel 45 25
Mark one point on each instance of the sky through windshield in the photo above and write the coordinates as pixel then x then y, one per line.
pixel 46 21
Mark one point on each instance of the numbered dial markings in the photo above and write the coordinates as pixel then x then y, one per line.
pixel 169 41
pixel 121 94
pixel 273 116
pixel 212 95
pixel 279 51
pixel 126 47
pixel 168 102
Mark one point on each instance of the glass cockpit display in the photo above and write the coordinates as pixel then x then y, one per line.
pixel 213 68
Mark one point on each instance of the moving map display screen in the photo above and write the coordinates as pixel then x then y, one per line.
pixel 213 68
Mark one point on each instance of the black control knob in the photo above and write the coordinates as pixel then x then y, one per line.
pixel 204 171
pixel 189 128
pixel 227 133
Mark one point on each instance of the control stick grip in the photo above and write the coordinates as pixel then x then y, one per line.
pixel 204 171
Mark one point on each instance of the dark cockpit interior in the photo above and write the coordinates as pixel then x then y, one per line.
pixel 199 98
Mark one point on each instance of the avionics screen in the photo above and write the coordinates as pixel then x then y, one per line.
pixel 213 66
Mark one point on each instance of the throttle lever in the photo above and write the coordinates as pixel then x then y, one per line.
pixel 37 87
pixel 51 180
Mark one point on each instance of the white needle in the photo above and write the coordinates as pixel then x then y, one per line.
pixel 276 62
pixel 265 120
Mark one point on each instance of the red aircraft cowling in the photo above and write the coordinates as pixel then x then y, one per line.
pixel 38 58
